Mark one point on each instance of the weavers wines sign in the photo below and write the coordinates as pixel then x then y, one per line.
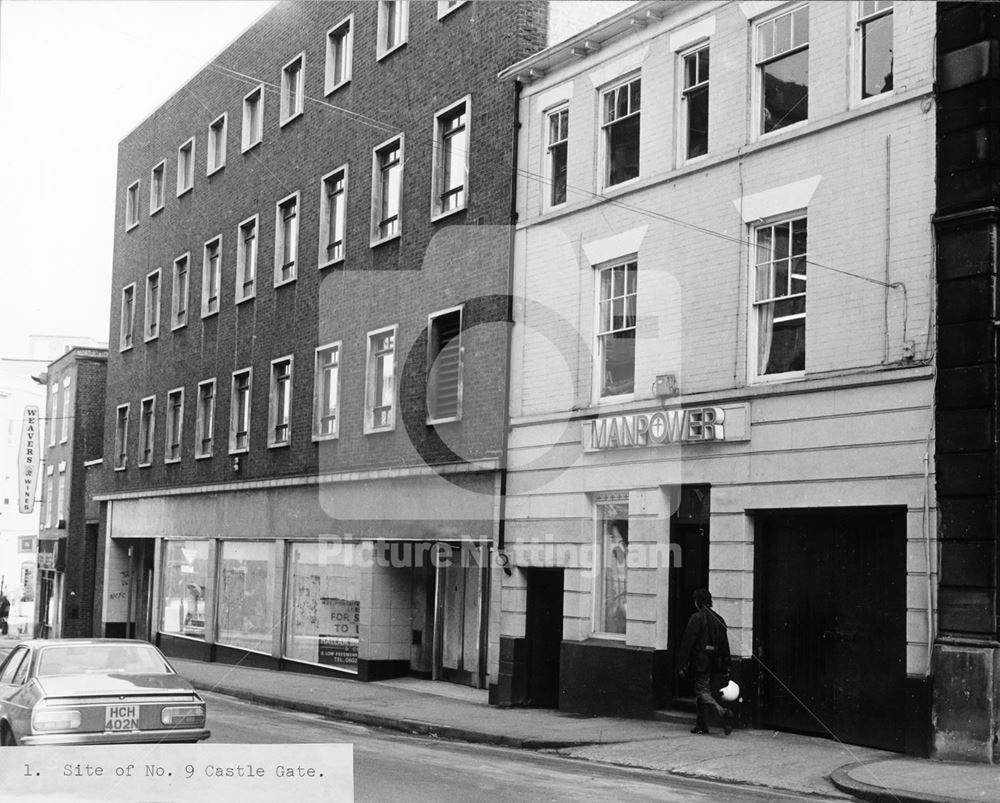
pixel 690 425
pixel 28 460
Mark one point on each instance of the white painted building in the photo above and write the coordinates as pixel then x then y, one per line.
pixel 723 354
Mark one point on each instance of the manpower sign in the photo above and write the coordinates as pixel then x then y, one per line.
pixel 663 427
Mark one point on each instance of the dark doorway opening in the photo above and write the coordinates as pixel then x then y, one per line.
pixel 830 623
pixel 543 634
pixel 689 539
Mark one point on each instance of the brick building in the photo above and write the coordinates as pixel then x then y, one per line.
pixel 305 418
pixel 684 412
pixel 68 523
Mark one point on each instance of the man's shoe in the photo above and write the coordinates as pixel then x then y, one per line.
pixel 727 722
pixel 696 729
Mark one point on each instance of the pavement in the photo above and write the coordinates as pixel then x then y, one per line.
pixel 762 758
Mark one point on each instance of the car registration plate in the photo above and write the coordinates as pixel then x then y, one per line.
pixel 121 718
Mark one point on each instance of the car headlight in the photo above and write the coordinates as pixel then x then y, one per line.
pixel 56 720
pixel 191 715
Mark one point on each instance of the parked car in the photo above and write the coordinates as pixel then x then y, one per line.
pixel 95 691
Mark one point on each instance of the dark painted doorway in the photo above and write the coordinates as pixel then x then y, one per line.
pixel 830 623
pixel 543 634
pixel 689 539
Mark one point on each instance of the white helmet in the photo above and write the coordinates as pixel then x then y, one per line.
pixel 730 692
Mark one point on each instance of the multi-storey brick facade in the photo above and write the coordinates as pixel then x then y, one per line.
pixel 280 534
pixel 64 603
pixel 691 405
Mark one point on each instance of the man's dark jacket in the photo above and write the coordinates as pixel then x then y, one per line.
pixel 705 646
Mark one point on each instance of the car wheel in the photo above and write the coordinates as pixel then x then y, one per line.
pixel 7 737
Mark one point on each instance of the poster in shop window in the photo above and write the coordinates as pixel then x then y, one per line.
pixel 338 645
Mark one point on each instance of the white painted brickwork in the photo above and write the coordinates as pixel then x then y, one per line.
pixel 859 437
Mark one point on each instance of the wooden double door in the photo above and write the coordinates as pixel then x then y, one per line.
pixel 830 623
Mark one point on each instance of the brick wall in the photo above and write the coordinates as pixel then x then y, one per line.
pixel 394 283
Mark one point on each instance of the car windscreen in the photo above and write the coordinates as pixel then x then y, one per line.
pixel 100 659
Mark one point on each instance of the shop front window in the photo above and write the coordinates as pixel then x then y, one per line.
pixel 185 579
pixel 612 534
pixel 324 587
pixel 245 594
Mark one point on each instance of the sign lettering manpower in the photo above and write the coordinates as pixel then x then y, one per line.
pixel 696 424
pixel 28 460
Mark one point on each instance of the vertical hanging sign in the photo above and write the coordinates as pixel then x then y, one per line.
pixel 28 460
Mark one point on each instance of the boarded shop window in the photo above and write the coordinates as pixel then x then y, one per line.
pixel 245 595
pixel 324 608
pixel 185 580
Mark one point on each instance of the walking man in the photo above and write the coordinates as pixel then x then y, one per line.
pixel 704 654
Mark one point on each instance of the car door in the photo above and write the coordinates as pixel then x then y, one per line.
pixel 13 672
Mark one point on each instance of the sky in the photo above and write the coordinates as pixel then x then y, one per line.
pixel 75 77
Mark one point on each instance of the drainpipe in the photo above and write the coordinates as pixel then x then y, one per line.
pixel 505 433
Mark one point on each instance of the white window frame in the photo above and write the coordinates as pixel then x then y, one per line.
pixel 67 413
pixel 200 452
pixel 120 456
pixel 61 496
pixel 185 178
pixel 753 335
pixel 445 7
pixel 151 328
pixel 598 593
pixel 279 240
pixel 272 408
pixel 126 337
pixel 759 63
pixel 383 47
pixel 606 128
pixel 370 365
pixel 147 431
pixel 339 41
pixel 861 21
pixel 377 193
pixel 156 203
pixel 173 437
pixel 319 399
pixel 244 293
pixel 438 190
pixel 550 145
pixel 132 205
pixel 179 312
pixel 292 99
pixel 218 131
pixel 683 106
pixel 434 316
pixel 246 142
pixel 50 493
pixel 234 447
pixel 53 413
pixel 599 357
pixel 323 258
pixel 206 305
